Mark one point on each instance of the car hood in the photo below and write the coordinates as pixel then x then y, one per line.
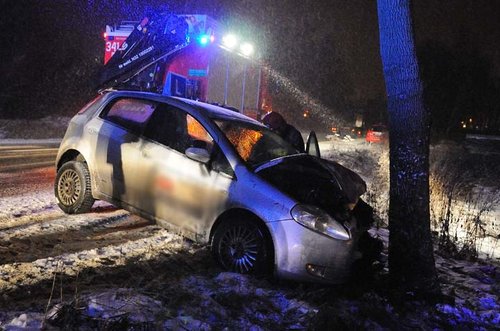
pixel 315 181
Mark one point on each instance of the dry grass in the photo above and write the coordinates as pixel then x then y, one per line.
pixel 462 204
pixel 378 189
pixel 459 207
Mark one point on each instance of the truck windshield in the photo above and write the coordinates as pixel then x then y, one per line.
pixel 255 144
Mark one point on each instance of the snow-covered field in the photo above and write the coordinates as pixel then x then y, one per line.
pixel 474 208
pixel 111 270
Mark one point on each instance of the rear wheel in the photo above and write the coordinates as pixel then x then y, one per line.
pixel 242 246
pixel 73 188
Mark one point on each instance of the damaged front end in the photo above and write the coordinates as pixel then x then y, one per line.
pixel 329 203
pixel 323 184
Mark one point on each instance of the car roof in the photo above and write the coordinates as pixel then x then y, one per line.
pixel 218 112
pixel 212 111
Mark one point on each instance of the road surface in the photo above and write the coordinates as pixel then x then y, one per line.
pixel 26 167
pixel 26 156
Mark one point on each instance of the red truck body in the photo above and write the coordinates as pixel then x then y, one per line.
pixel 203 69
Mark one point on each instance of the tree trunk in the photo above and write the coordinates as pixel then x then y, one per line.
pixel 411 259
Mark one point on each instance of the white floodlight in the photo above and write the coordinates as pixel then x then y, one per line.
pixel 246 49
pixel 229 41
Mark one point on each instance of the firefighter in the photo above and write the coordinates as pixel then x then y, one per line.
pixel 288 132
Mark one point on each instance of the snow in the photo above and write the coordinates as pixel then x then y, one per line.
pixel 461 316
pixel 211 298
pixel 72 263
pixel 481 206
pixel 24 321
pixel 482 137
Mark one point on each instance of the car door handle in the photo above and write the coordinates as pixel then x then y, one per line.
pixel 91 130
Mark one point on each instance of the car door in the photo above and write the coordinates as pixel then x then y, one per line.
pixel 119 145
pixel 312 145
pixel 179 189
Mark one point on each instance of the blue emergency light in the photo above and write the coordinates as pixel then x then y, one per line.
pixel 204 39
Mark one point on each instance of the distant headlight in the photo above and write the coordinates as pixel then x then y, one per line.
pixel 316 219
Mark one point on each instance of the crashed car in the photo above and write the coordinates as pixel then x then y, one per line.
pixel 217 177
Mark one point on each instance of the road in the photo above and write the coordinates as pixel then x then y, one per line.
pixel 22 156
pixel 26 167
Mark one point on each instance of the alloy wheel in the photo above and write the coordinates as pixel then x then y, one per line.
pixel 69 187
pixel 239 248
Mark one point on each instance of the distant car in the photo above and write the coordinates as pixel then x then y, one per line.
pixel 347 133
pixel 377 134
pixel 217 177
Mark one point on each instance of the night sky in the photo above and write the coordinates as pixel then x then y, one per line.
pixel 51 50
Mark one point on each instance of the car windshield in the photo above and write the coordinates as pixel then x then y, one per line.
pixel 255 144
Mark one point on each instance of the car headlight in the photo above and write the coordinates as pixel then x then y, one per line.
pixel 316 219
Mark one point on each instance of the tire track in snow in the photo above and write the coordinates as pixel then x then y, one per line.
pixel 49 235
pixel 16 275
pixel 58 222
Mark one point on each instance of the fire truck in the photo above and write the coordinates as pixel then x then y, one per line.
pixel 184 56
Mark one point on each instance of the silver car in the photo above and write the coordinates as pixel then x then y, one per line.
pixel 217 177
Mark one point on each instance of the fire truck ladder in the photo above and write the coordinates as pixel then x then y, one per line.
pixel 156 37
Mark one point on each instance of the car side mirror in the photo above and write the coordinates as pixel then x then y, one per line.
pixel 312 145
pixel 198 154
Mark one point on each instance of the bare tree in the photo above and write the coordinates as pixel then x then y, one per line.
pixel 411 259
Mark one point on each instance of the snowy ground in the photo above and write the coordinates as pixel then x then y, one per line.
pixel 109 265
pixel 111 270
pixel 476 203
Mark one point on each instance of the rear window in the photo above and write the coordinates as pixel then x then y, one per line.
pixel 379 128
pixel 132 114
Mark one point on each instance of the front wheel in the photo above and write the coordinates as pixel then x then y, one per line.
pixel 241 246
pixel 73 188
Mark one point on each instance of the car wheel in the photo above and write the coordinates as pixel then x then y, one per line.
pixel 242 246
pixel 73 188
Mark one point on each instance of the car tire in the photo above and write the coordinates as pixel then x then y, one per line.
pixel 242 246
pixel 73 188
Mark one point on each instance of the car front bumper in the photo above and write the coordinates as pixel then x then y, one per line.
pixel 305 255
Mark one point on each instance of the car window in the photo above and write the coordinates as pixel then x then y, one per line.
pixel 253 143
pixel 132 114
pixel 197 132
pixel 378 128
pixel 176 129
pixel 220 162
